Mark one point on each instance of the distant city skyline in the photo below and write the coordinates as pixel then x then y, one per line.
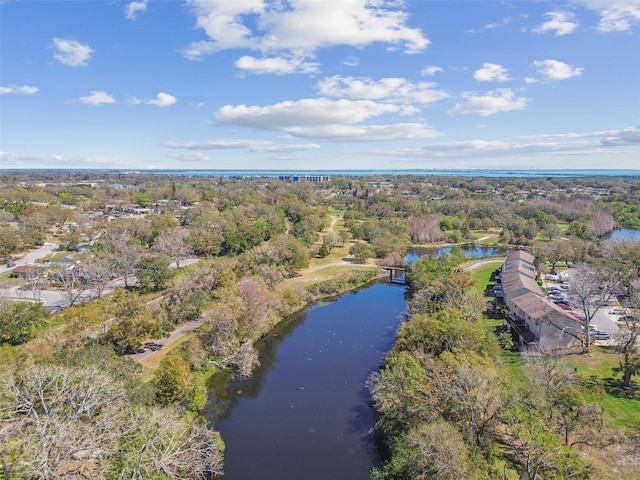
pixel 305 85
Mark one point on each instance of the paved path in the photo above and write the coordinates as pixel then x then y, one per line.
pixel 31 256
pixel 479 263
pixel 181 330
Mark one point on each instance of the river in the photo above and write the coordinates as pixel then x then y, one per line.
pixel 305 413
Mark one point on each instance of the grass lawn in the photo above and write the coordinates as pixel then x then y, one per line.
pixel 483 275
pixel 622 406
pixel 152 362
pixel 477 234
pixel 336 255
pixel 489 241
pixel 323 274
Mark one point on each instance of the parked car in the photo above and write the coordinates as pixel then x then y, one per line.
pixel 563 306
pixel 619 311
pixel 564 286
pixel 600 335
pixel 11 265
pixel 553 289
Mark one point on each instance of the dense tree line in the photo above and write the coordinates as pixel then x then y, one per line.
pixel 447 406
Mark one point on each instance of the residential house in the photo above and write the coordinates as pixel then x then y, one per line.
pixel 533 318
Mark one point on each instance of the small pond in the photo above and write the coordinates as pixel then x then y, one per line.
pixel 472 252
pixel 625 234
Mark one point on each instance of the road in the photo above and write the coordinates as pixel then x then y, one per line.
pixel 31 256
pixel 55 300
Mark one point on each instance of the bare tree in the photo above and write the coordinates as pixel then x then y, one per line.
pixel 425 228
pixel 122 252
pixel 61 420
pixel 257 305
pixel 627 341
pixel 71 281
pixel 76 422
pixel 174 243
pixel 96 271
pixel 590 288
pixel 475 398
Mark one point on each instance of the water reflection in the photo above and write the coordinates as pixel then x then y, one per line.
pixel 470 251
pixel 625 234
pixel 305 412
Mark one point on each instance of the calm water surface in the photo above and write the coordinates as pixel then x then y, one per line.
pixel 473 252
pixel 305 413
pixel 625 234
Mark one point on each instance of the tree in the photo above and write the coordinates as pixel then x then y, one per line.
pixel 9 240
pixel 58 420
pixel 96 271
pixel 590 288
pixel 72 281
pixel 256 314
pixel 75 421
pixel 425 229
pixel 474 396
pixel 433 450
pixel 361 251
pixel 538 447
pixel 122 253
pixel 153 272
pixel 627 346
pixel 174 243
pixel 173 380
pixel 18 320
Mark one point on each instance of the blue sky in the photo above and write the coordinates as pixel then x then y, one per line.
pixel 320 84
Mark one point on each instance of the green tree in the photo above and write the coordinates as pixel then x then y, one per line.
pixel 18 321
pixel 628 350
pixel 361 251
pixel 173 380
pixel 153 272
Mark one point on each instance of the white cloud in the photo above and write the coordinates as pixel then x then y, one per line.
pixel 241 144
pixel 491 72
pixel 324 119
pixel 190 157
pixel 562 23
pixel 305 113
pixel 24 89
pixel 570 143
pixel 556 70
pixel 301 26
pixel 134 8
pixel 626 136
pixel 501 100
pixel 366 133
pixel 615 15
pixel 161 100
pixel 277 65
pixel 396 90
pixel 9 159
pixel 490 26
pixel 430 70
pixel 71 52
pixel 530 80
pixel 97 97
pixel 351 62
